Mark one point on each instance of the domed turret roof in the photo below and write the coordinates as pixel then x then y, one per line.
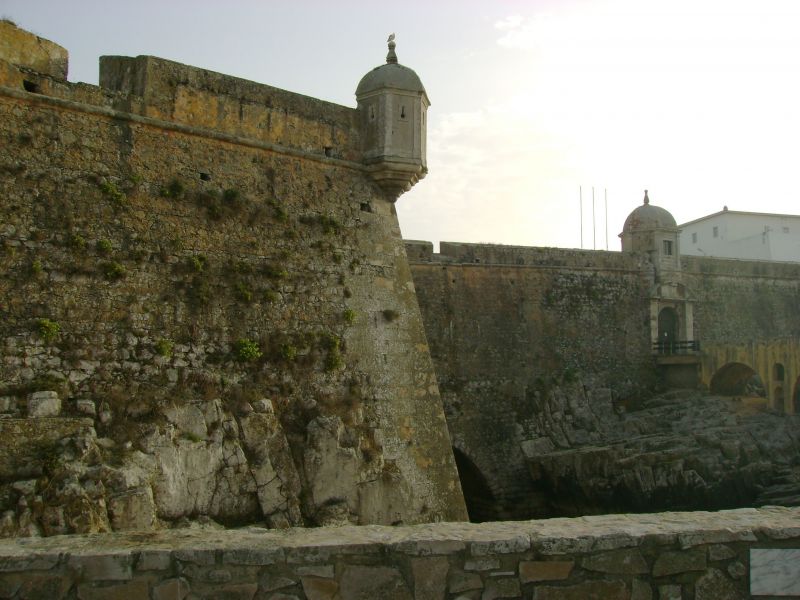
pixel 648 216
pixel 390 75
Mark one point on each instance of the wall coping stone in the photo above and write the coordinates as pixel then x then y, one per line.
pixel 771 523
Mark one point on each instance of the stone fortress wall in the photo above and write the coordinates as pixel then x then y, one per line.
pixel 512 329
pixel 200 270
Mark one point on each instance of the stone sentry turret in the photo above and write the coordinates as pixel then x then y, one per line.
pixel 392 105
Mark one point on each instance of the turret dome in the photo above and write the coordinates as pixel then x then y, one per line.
pixel 648 217
pixel 390 75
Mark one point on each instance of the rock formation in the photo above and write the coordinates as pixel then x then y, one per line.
pixel 681 450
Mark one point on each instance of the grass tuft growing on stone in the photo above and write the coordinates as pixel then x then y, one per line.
pixel 113 271
pixel 112 192
pixel 163 347
pixel 47 329
pixel 246 350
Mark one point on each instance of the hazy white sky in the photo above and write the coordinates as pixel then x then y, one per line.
pixel 696 100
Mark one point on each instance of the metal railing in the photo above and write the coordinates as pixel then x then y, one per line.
pixel 677 347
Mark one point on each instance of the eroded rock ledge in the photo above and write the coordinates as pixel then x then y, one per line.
pixel 632 557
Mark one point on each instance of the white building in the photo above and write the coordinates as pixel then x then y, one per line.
pixel 744 235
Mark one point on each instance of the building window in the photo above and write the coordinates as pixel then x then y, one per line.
pixel 716 231
pixel 668 247
pixel 694 238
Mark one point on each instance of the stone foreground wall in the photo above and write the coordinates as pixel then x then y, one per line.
pixel 702 556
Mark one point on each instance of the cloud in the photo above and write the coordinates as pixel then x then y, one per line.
pixel 694 100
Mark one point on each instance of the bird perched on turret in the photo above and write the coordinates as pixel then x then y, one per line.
pixel 391 38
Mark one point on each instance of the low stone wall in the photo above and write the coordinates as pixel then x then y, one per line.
pixel 704 556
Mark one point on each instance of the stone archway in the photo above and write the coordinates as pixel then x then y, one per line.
pixel 667 329
pixel 478 496
pixel 737 379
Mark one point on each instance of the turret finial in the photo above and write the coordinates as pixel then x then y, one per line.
pixel 646 199
pixel 391 58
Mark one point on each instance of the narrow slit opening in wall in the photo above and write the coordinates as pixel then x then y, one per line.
pixel 30 86
pixel 328 151
pixel 402 112
pixel 205 177
pixel 366 207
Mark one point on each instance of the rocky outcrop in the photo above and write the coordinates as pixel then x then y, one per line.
pixel 194 462
pixel 682 450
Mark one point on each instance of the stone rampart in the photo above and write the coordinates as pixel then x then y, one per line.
pixel 505 324
pixel 727 555
pixel 511 328
pixel 219 288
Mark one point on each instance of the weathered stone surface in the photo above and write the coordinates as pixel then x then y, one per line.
pixel 28 562
pixel 44 587
pixel 720 552
pixel 736 570
pixel 189 420
pixel 233 591
pixel 133 510
pixel 85 406
pixel 325 571
pixel 713 585
pixel 669 563
pixel 368 583
pixel 481 564
pixel 550 570
pixel 196 556
pixel 429 577
pixel 501 588
pixel 669 592
pixel 171 589
pixel 8 587
pixel 589 590
pixel 330 467
pixel 44 404
pixel 641 590
pixel 107 567
pixel 26 49
pixel 627 562
pixel 132 590
pixel 253 556
pixel 319 589
pixel 461 582
pixel 154 560
pixel 270 583
pixel 510 545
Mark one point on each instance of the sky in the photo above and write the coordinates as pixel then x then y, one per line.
pixel 533 103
